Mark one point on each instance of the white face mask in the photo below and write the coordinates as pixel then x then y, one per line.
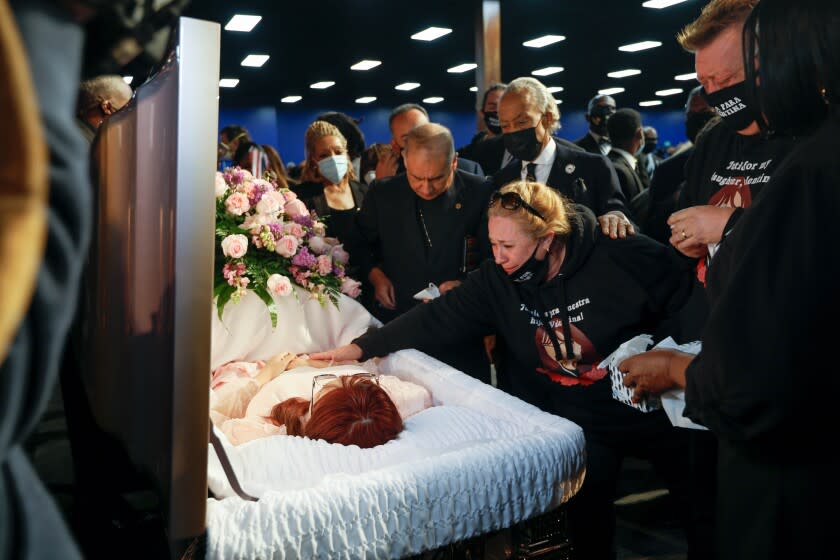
pixel 334 168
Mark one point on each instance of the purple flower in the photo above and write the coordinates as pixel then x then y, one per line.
pixel 338 270
pixel 304 258
pixel 237 176
pixel 304 219
pixel 276 230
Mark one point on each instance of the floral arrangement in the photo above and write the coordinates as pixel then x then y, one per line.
pixel 267 240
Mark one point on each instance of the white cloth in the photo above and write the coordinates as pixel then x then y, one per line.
pixel 303 325
pixel 544 162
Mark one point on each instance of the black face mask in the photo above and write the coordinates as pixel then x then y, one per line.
pixel 731 104
pixel 649 147
pixel 491 121
pixel 695 121
pixel 531 270
pixel 523 144
pixel 598 119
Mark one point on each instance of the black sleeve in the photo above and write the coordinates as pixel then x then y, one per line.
pixel 366 246
pixel 765 373
pixel 608 190
pixel 463 313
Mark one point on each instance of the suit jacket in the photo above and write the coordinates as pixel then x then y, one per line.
pixel 487 152
pixel 628 178
pixel 390 223
pixel 585 178
pixel 588 143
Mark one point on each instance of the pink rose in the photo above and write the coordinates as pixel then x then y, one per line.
pixel 270 203
pixel 324 265
pixel 237 204
pixel 289 195
pixel 295 208
pixel 279 285
pixel 319 228
pixel 221 185
pixel 294 228
pixel 350 287
pixel 339 255
pixel 235 246
pixel 286 246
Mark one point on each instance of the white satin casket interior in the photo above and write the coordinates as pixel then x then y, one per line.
pixel 479 460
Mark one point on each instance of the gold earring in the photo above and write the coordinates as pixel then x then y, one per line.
pixel 824 95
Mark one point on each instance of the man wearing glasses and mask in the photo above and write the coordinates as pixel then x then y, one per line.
pixel 424 226
pixel 598 112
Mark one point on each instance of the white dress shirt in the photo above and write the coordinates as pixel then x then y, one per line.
pixel 544 162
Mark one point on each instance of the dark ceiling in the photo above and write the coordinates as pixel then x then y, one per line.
pixel 310 41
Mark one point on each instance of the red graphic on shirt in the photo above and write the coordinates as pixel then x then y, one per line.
pixel 735 195
pixel 569 370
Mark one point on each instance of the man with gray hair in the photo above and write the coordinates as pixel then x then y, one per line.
pixel 424 226
pixel 528 115
pixel 99 98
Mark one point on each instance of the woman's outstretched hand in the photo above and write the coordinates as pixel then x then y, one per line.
pixel 346 353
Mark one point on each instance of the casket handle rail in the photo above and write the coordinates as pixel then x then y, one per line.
pixel 227 467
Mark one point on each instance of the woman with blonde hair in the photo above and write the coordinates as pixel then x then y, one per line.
pixel 328 182
pixel 561 297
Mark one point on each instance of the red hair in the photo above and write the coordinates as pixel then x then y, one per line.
pixel 355 412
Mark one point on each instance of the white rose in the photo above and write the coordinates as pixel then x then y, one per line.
pixel 279 285
pixel 235 246
pixel 237 204
pixel 270 203
pixel 318 245
pixel 221 186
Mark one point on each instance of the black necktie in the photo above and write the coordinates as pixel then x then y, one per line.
pixel 531 172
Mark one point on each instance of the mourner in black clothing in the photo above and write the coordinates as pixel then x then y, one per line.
pixel 625 128
pixel 424 226
pixel 598 112
pixel 757 382
pixel 562 296
pixel 528 115
pixel 329 186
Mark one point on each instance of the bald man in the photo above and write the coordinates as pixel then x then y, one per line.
pixel 424 226
pixel 99 98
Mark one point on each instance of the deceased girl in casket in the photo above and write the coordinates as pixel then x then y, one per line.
pixel 348 403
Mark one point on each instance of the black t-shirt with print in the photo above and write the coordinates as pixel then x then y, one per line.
pixel 728 170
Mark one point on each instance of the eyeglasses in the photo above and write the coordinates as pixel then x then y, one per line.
pixel 324 378
pixel 512 201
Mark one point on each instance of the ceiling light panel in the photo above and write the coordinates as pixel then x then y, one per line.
pixel 128 79
pixel 431 33
pixel 544 41
pixel 640 46
pixel 433 100
pixel 624 73
pixel 291 99
pixel 322 85
pixel 461 68
pixel 407 86
pixel 610 91
pixel 474 88
pixel 659 4
pixel 241 22
pixel 555 89
pixel 686 77
pixel 366 99
pixel 228 82
pixel 666 92
pixel 255 60
pixel 651 103
pixel 547 71
pixel 366 64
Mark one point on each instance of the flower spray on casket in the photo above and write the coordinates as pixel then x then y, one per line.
pixel 267 241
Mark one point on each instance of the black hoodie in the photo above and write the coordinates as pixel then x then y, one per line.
pixel 609 290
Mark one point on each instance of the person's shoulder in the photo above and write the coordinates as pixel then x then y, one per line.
pixel 307 189
pixel 574 146
pixel 508 173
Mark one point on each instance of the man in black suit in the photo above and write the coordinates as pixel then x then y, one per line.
pixel 425 226
pixel 528 115
pixel 626 134
pixel 402 119
pixel 486 147
pixel 598 113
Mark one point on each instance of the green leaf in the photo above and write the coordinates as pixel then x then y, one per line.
pixel 269 302
pixel 223 298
